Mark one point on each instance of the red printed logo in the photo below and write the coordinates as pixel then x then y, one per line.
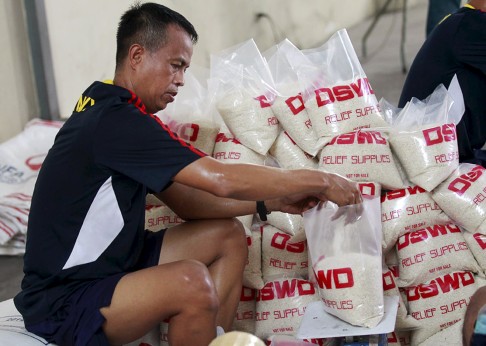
pixel 281 241
pixel 247 294
pixel 481 240
pixel 409 191
pixel 439 134
pixel 325 96
pixel 295 104
pixel 388 281
pixel 424 234
pixel 359 137
pixel 35 162
pixel 341 277
pixel 444 284
pixel 286 288
pixel 264 102
pixel 463 182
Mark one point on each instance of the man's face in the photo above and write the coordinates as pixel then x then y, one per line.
pixel 159 74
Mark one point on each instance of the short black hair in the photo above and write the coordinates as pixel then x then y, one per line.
pixel 146 24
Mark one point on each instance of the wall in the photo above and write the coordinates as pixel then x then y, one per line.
pixel 19 103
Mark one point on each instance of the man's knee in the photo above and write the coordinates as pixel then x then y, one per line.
pixel 197 284
pixel 233 231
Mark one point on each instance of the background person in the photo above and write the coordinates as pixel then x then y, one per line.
pixel 438 10
pixel 456 46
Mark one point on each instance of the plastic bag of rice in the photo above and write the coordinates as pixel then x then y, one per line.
pixel 449 336
pixel 281 255
pixel 241 88
pixel 247 222
pixel 281 306
pixel 423 136
pixel 477 244
pixel 250 118
pixel 406 210
pixel 433 251
pixel 363 156
pixel 190 116
pixel 439 303
pixel 289 155
pixel 462 196
pixel 252 274
pixel 337 94
pixel 244 320
pixel 284 61
pixel 390 288
pixel 159 217
pixel 345 251
pixel 292 224
pixel 230 150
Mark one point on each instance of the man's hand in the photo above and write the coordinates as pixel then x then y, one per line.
pixel 340 190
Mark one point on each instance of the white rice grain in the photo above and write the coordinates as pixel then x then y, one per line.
pixel 362 156
pixel 428 154
pixel 250 118
pixel 439 303
pixel 462 196
pixel 433 251
pixel 406 210
pixel 289 155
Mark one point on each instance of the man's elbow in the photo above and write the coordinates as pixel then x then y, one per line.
pixel 227 187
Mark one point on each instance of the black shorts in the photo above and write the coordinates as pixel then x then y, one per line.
pixel 79 321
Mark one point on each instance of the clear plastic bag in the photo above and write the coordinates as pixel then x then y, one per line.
pixel 283 60
pixel 337 94
pixel 190 116
pixel 462 196
pixel 364 156
pixel 406 210
pixel 241 88
pixel 289 155
pixel 423 136
pixel 345 249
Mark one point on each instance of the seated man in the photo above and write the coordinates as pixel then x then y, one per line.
pixel 93 275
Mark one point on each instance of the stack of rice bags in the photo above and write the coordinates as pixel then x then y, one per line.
pixel 21 158
pixel 316 109
pixel 436 268
pixel 243 92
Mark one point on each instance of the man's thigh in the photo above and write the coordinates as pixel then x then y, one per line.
pixel 202 240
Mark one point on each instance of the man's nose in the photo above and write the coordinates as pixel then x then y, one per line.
pixel 179 78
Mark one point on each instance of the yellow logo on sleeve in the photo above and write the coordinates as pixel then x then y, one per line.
pixel 83 102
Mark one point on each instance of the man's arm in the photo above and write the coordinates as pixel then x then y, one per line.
pixel 208 188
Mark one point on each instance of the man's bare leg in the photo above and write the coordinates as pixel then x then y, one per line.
pixel 222 246
pixel 180 290
pixel 197 285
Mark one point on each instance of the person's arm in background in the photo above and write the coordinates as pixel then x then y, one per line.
pixel 208 188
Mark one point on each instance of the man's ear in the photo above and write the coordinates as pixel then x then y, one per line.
pixel 135 55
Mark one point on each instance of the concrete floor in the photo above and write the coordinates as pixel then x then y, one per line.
pixel 382 66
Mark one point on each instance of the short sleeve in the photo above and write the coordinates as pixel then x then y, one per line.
pixel 141 147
